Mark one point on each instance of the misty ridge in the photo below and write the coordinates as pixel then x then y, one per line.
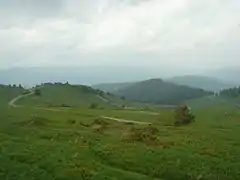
pixel 93 75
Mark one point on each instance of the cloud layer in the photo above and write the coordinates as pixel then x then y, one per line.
pixel 194 34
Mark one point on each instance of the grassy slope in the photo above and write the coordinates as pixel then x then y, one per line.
pixel 54 148
pixel 7 93
pixel 160 92
pixel 57 149
pixel 63 94
pixel 211 101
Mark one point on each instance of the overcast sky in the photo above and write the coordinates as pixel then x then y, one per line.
pixel 197 34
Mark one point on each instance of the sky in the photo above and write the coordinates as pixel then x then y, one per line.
pixel 197 35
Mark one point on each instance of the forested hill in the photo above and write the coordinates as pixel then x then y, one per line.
pixel 230 93
pixel 160 92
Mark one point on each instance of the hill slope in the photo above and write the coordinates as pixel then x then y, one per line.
pixel 9 92
pixel 160 92
pixel 66 95
pixel 203 82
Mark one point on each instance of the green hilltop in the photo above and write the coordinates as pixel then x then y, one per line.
pixel 66 95
pixel 158 91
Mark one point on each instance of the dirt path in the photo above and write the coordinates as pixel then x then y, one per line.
pixel 124 120
pixel 12 103
pixel 103 99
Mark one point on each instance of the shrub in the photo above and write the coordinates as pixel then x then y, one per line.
pixel 26 92
pixel 148 135
pixel 100 121
pixel 65 105
pixel 71 121
pixel 93 106
pixel 183 116
pixel 84 124
pixel 99 125
pixel 36 121
pixel 37 92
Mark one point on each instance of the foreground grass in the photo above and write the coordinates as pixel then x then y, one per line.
pixel 66 144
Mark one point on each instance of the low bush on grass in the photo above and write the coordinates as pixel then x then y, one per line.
pixel 99 125
pixel 183 116
pixel 147 135
pixel 36 121
pixel 71 121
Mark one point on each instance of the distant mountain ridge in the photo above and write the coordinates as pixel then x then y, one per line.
pixel 228 74
pixel 113 87
pixel 94 75
pixel 87 75
pixel 160 92
pixel 203 82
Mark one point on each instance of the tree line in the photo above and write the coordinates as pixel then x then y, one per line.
pixel 230 93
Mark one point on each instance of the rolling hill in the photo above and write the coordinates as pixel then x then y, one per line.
pixel 203 82
pixel 9 92
pixel 160 92
pixel 66 95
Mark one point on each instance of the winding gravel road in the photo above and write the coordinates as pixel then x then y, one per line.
pixel 12 103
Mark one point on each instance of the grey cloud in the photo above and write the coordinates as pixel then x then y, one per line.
pixel 190 34
pixel 31 8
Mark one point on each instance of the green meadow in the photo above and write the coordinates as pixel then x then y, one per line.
pixel 41 139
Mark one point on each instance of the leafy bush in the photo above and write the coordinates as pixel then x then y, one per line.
pixel 100 121
pixel 183 116
pixel 26 92
pixel 148 135
pixel 93 106
pixel 71 121
pixel 65 105
pixel 36 121
pixel 37 92
pixel 99 125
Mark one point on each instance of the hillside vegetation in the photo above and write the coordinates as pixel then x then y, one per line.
pixel 7 92
pixel 77 144
pixel 203 82
pixel 230 93
pixel 67 95
pixel 160 92
pixel 225 98
pixel 83 143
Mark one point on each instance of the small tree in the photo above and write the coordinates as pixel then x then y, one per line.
pixel 37 92
pixel 183 116
pixel 93 106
